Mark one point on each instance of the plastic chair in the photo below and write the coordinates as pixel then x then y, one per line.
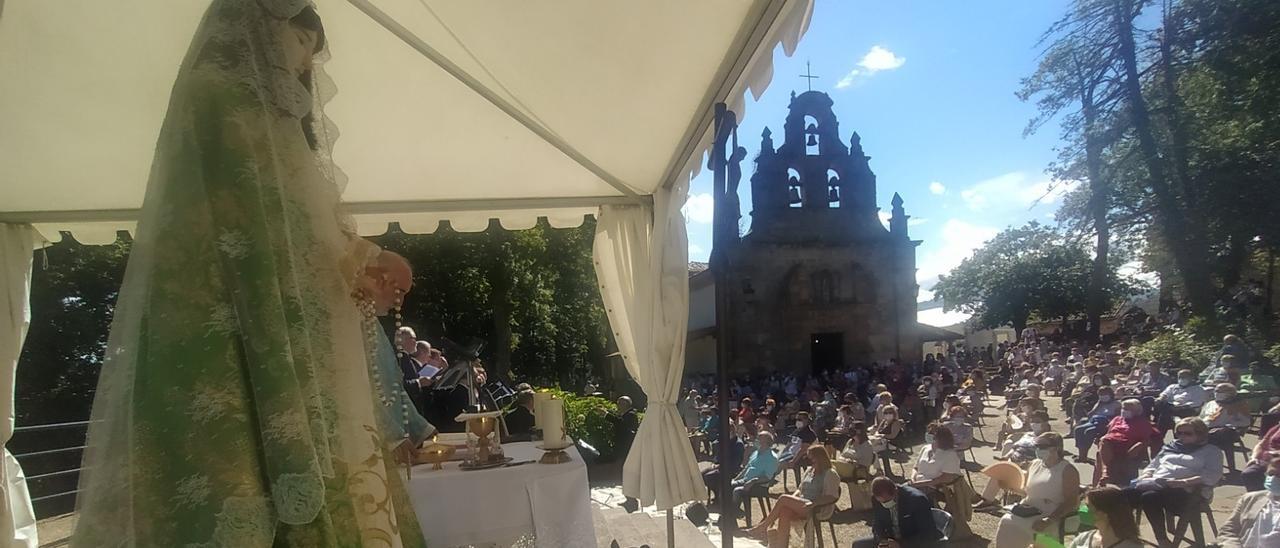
pixel 759 492
pixel 1196 521
pixel 814 525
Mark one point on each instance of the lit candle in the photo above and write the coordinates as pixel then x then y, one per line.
pixel 539 399
pixel 553 423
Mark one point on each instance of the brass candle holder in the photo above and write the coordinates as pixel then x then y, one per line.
pixel 436 454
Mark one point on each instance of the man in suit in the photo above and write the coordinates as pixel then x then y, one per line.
pixel 520 419
pixel 406 346
pixel 1256 519
pixel 903 517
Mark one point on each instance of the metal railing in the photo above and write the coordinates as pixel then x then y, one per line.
pixel 50 455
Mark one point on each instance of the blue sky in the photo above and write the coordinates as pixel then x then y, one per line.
pixel 929 86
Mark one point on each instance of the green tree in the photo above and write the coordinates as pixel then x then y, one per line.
pixel 1024 273
pixel 73 295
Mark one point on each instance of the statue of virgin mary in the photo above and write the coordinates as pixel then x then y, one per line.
pixel 238 404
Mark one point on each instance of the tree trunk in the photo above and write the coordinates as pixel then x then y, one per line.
pixel 500 282
pixel 1187 248
pixel 1099 205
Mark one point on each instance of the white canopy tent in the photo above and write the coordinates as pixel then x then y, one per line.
pixel 449 110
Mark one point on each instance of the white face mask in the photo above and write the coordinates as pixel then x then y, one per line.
pixel 1185 382
pixel 889 504
pixel 1039 427
pixel 1042 454
pixel 928 439
pixel 1104 399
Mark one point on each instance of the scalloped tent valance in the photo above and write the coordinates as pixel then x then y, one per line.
pixel 453 110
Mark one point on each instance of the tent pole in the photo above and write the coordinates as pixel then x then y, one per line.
pixel 721 240
pixel 671 529
pixel 412 40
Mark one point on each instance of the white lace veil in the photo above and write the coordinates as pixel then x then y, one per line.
pixel 236 63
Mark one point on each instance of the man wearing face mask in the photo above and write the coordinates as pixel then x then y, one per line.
pixel 901 517
pixel 1183 399
pixel 1256 519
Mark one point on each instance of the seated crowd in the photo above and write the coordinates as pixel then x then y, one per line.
pixel 1161 442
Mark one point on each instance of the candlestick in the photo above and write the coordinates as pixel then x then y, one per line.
pixel 553 423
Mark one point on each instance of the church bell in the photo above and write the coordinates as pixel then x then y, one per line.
pixel 795 195
pixel 833 195
pixel 813 140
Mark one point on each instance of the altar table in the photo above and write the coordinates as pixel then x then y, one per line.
pixel 500 507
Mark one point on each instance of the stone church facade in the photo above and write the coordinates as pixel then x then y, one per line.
pixel 818 282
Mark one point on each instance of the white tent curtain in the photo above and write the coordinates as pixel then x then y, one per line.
pixel 641 261
pixel 16 245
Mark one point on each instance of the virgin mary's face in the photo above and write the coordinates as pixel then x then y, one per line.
pixel 299 47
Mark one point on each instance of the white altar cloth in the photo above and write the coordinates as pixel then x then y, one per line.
pixel 499 507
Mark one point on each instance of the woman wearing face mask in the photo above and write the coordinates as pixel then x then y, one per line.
pixel 939 463
pixel 937 473
pixel 1179 478
pixel 1227 417
pixel 957 419
pixel 1018 422
pixel 1101 414
pixel 858 452
pixel 886 429
pixel 1052 487
pixel 1256 518
pixel 1022 449
pixel 1114 526
pixel 1127 439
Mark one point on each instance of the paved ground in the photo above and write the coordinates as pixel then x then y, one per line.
pixel 849 525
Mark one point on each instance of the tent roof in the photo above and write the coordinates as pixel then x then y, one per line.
pixel 615 99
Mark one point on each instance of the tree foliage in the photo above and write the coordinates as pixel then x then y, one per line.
pixel 1024 273
pixel 1184 147
pixel 530 294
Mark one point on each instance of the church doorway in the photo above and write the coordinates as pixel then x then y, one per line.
pixel 826 351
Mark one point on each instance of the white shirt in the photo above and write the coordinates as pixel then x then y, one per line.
pixel 1224 418
pixel 936 462
pixel 1194 395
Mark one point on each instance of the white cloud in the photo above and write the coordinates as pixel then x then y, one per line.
pixel 697 253
pixel 879 58
pixel 916 221
pixel 937 188
pixel 1013 191
pixel 959 239
pixel 699 208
